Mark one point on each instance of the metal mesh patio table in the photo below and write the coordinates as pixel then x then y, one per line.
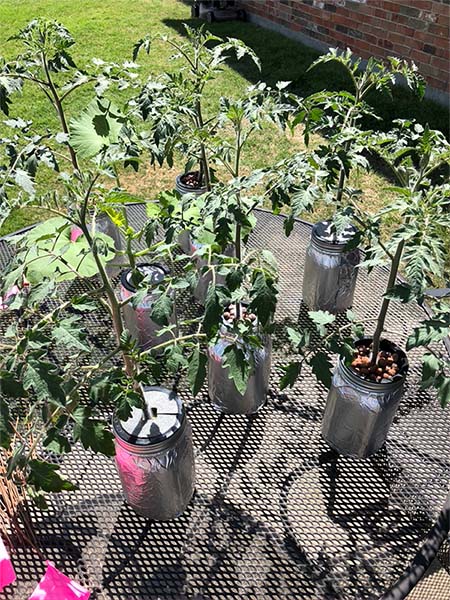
pixel 276 514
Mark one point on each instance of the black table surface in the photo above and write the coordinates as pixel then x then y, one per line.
pixel 275 515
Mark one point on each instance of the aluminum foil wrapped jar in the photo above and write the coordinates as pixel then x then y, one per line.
pixel 330 273
pixel 206 278
pixel 155 457
pixel 138 319
pixel 106 226
pixel 224 395
pixel 184 238
pixel 359 412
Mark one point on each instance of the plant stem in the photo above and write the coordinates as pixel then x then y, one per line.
pixel 386 301
pixel 59 109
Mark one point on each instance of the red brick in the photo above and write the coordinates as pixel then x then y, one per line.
pixel 440 63
pixel 420 57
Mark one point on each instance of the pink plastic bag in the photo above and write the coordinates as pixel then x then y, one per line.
pixel 7 574
pixel 54 585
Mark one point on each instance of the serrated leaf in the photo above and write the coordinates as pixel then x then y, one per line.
pixel 96 128
pixel 56 442
pixel 23 180
pixel 213 311
pixel 430 366
pixel 42 379
pixel 69 335
pixel 433 330
pixel 238 367
pixel 43 476
pixel 162 310
pixel 322 368
pixel 92 433
pixel 321 318
pixel 196 373
pixel 263 296
pixel 291 374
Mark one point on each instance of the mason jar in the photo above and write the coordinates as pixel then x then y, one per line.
pixel 205 279
pixel 330 272
pixel 138 319
pixel 105 225
pixel 359 412
pixel 224 395
pixel 155 457
pixel 184 238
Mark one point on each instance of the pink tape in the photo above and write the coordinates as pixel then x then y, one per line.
pixel 54 585
pixel 7 574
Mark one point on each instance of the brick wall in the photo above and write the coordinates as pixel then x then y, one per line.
pixel 414 29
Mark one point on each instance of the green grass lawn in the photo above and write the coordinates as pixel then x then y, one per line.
pixel 108 30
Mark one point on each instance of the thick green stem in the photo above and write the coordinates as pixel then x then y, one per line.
pixel 386 301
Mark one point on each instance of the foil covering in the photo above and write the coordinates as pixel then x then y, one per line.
pixel 222 391
pixel 359 413
pixel 138 322
pixel 329 278
pixel 105 225
pixel 159 485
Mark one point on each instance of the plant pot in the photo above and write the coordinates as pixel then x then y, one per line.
pixel 155 458
pixel 184 238
pixel 205 279
pixel 359 413
pixel 106 226
pixel 137 319
pixel 330 272
pixel 223 393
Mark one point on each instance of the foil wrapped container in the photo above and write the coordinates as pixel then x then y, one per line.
pixel 359 413
pixel 155 458
pixel 206 278
pixel 138 319
pixel 330 273
pixel 106 226
pixel 223 393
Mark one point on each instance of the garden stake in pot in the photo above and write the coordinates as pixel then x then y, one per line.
pixel 155 457
pixel 330 272
pixel 138 318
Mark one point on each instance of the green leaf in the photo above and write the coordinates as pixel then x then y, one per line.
pixel 68 335
pixel 162 310
pixel 430 366
pixel 197 370
pixel 213 311
pixel 43 380
pixel 6 429
pixel 57 443
pixel 10 386
pixel 92 433
pixel 433 330
pixel 238 367
pixel 43 476
pixel 444 391
pixel 263 296
pixel 322 368
pixel 321 318
pixel 96 128
pixel 291 374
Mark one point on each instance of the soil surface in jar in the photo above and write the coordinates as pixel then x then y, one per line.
pixel 191 179
pixel 384 370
